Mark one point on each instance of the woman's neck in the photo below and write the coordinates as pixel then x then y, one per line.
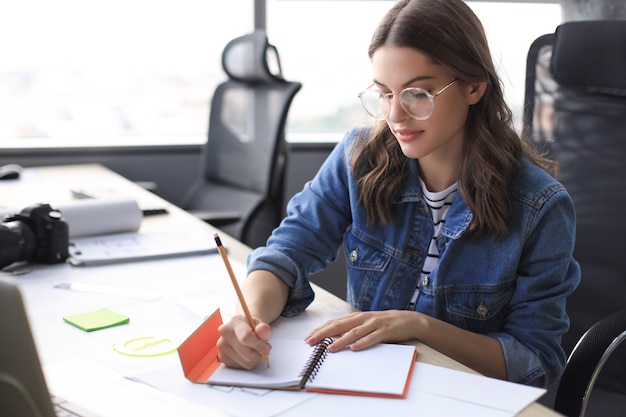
pixel 437 175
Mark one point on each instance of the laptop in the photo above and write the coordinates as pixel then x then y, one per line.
pixel 23 389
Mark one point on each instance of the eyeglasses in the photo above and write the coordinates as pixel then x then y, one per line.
pixel 416 102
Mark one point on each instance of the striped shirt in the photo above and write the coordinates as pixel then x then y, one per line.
pixel 439 204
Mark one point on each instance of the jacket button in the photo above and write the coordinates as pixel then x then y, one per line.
pixel 425 280
pixel 482 309
pixel 354 255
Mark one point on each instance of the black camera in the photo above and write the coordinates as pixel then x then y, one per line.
pixel 37 234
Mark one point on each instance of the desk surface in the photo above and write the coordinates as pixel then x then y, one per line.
pixel 186 283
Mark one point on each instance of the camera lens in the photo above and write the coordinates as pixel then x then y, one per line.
pixel 17 242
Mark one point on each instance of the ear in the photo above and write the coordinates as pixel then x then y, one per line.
pixel 475 91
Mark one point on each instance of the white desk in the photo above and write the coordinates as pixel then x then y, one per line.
pixel 191 286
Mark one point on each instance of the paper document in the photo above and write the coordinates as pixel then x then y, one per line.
pixel 126 247
pixel 434 392
pixel 107 393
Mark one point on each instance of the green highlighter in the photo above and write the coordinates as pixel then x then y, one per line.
pixel 97 320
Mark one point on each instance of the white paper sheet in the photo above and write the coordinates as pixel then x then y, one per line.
pixel 476 389
pixel 108 394
pixel 434 392
pixel 240 402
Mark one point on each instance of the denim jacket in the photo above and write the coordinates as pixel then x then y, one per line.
pixel 512 289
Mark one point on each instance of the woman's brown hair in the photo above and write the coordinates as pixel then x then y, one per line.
pixel 451 34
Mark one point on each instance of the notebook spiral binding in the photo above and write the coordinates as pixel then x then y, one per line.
pixel 316 359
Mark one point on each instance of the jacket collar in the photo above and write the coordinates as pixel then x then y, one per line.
pixel 459 217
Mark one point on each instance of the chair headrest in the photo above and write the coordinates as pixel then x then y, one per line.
pixel 591 56
pixel 247 59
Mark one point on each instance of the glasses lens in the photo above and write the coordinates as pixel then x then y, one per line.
pixel 417 103
pixel 375 103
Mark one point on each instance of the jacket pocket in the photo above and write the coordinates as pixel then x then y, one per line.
pixel 366 266
pixel 481 310
pixel 361 255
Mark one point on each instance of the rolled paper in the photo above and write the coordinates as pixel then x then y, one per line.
pixel 99 216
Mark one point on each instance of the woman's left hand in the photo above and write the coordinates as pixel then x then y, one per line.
pixel 364 329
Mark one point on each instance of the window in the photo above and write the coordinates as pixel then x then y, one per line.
pixel 116 72
pixel 105 72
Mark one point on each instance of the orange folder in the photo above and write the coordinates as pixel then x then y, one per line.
pixel 198 353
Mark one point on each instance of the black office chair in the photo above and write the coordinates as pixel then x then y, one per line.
pixel 575 110
pixel 242 181
pixel 585 363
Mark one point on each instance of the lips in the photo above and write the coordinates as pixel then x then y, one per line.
pixel 408 135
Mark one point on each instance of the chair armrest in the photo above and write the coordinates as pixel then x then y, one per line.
pixel 217 218
pixel 148 185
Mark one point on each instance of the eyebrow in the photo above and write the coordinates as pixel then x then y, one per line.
pixel 409 82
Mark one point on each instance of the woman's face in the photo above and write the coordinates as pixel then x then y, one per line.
pixel 439 137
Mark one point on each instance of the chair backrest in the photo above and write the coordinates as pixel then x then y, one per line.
pixel 586 362
pixel 246 147
pixel 575 109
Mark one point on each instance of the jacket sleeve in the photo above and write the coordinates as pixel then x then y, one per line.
pixel 547 274
pixel 312 232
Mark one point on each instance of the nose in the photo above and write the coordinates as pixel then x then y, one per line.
pixel 396 111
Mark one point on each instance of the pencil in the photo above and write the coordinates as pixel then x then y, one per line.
pixel 231 274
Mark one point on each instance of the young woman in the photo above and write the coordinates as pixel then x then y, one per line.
pixel 455 232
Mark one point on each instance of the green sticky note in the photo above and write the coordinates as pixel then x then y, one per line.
pixel 96 320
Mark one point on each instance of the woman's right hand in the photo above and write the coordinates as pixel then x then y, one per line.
pixel 240 346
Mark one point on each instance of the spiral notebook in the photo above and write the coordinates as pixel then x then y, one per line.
pixel 383 370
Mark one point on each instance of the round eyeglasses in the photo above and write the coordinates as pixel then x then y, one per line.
pixel 416 102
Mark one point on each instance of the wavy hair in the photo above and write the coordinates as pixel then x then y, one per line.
pixel 451 34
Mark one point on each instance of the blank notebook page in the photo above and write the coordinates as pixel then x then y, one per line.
pixel 287 359
pixel 365 370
